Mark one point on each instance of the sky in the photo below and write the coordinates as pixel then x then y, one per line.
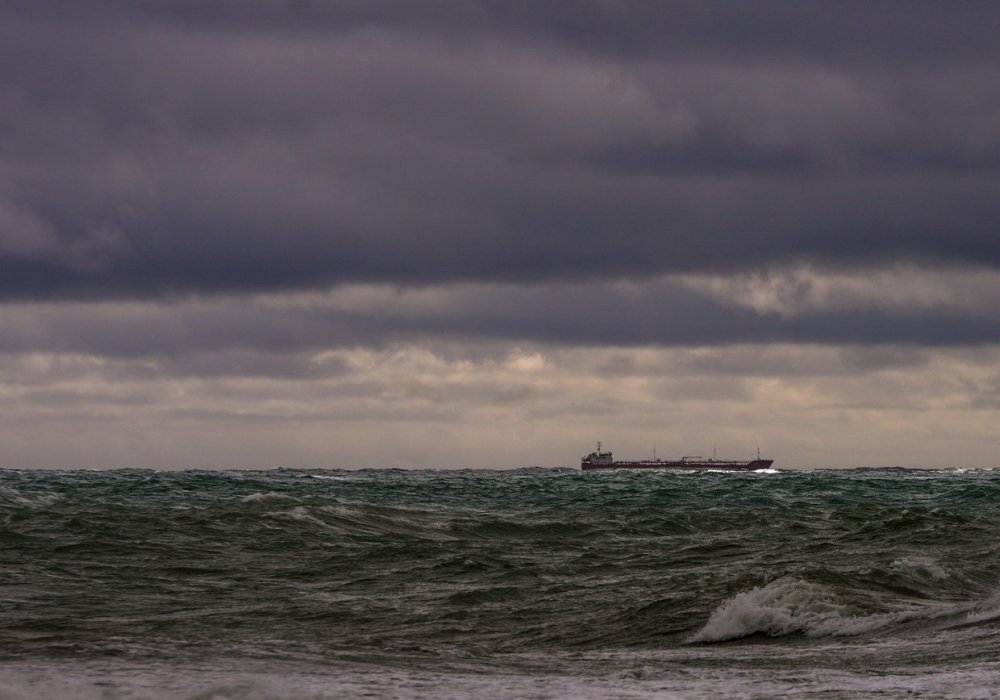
pixel 465 233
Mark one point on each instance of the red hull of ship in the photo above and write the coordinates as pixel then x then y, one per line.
pixel 717 465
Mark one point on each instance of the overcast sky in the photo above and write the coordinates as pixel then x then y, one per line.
pixel 259 233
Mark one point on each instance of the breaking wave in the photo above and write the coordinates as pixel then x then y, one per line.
pixel 793 606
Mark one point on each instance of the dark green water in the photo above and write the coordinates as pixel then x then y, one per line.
pixel 541 583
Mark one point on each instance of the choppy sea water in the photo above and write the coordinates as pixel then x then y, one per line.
pixel 526 583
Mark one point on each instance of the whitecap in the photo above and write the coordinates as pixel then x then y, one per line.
pixel 790 606
pixel 781 607
pixel 989 610
pixel 921 565
pixel 269 497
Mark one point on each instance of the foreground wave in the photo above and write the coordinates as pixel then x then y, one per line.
pixel 790 606
pixel 526 582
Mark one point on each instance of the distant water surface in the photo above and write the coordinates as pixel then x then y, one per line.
pixel 533 582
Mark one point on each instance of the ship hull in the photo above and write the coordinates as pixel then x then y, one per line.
pixel 713 465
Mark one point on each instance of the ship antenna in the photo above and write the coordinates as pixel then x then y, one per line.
pixel 758 452
pixel 654 450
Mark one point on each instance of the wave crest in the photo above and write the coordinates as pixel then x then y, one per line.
pixel 781 607
pixel 793 606
pixel 269 497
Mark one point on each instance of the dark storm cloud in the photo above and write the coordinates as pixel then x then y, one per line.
pixel 238 337
pixel 844 29
pixel 166 148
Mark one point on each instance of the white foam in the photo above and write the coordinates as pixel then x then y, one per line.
pixel 269 497
pixel 781 607
pixel 38 500
pixel 790 606
pixel 299 514
pixel 921 565
pixel 988 610
pixel 663 681
pixel 769 470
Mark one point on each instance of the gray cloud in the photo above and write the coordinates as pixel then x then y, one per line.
pixel 168 149
pixel 852 29
pixel 279 335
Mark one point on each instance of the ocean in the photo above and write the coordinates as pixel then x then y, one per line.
pixel 540 583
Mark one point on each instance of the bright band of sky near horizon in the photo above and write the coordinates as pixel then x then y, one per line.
pixel 475 234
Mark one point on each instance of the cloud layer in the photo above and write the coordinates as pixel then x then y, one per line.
pixel 173 148
pixel 233 233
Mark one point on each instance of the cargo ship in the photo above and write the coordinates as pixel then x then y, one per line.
pixel 603 460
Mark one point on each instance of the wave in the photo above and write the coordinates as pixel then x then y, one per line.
pixel 921 566
pixel 498 562
pixel 269 497
pixel 794 606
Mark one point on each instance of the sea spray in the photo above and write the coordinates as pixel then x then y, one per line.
pixel 780 607
pixel 789 606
